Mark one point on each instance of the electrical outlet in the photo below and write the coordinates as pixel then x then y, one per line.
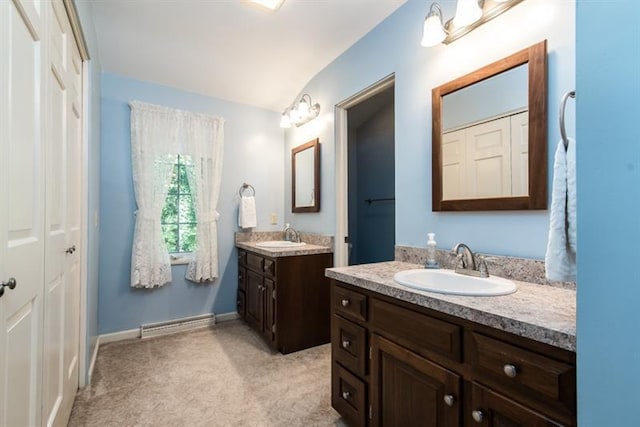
pixel 274 218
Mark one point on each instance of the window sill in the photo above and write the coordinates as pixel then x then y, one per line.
pixel 180 259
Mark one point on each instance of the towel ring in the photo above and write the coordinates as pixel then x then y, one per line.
pixel 563 104
pixel 246 186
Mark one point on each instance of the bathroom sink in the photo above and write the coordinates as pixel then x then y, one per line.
pixel 448 282
pixel 279 244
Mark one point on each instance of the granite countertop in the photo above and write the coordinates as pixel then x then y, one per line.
pixel 542 313
pixel 307 249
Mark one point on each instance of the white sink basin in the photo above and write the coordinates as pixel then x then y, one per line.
pixel 279 244
pixel 448 282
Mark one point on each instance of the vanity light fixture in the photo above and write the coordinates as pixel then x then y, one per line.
pixel 272 5
pixel 470 14
pixel 300 112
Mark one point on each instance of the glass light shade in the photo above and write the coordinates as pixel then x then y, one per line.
pixel 294 116
pixel 433 33
pixel 467 12
pixel 285 122
pixel 303 108
pixel 269 4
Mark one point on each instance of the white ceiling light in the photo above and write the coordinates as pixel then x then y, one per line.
pixel 269 4
pixel 433 32
pixel 300 112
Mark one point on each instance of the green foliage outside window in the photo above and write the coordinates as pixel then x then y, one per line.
pixel 179 214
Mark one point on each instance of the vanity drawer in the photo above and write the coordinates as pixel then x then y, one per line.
pixel 415 330
pixel 255 262
pixel 348 345
pixel 349 304
pixel 348 395
pixel 523 371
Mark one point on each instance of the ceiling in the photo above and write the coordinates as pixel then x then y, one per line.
pixel 228 49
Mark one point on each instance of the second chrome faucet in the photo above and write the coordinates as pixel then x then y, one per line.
pixel 469 263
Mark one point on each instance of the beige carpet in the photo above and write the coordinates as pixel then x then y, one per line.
pixel 223 376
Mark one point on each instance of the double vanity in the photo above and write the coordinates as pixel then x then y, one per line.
pixel 400 354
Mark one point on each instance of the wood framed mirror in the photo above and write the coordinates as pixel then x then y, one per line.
pixel 489 141
pixel 305 177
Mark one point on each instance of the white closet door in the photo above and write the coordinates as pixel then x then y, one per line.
pixel 520 154
pixel 22 150
pixel 62 224
pixel 489 159
pixel 453 165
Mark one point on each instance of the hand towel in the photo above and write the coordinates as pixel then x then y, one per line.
pixel 560 259
pixel 247 217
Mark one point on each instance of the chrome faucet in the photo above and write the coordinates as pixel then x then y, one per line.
pixel 287 234
pixel 468 263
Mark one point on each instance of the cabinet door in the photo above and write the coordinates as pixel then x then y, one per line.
pixel 490 409
pixel 254 301
pixel 409 390
pixel 269 310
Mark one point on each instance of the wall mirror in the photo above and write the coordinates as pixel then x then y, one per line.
pixel 489 142
pixel 305 179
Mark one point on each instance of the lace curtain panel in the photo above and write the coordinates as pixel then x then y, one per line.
pixel 158 134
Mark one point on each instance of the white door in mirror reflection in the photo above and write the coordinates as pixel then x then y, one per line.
pixel 487 159
pixel 304 176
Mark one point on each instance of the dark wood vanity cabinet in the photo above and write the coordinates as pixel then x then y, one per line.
pixel 285 299
pixel 398 364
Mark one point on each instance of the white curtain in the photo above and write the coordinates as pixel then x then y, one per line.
pixel 158 134
pixel 204 136
pixel 153 136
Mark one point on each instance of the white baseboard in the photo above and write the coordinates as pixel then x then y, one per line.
pixel 92 364
pixel 225 317
pixel 119 336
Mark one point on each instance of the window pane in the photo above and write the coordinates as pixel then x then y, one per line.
pixel 187 210
pixel 173 186
pixel 183 179
pixel 170 210
pixel 187 237
pixel 170 232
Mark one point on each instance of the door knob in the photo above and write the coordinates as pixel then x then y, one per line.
pixel 11 284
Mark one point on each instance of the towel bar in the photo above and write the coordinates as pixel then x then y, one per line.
pixel 246 186
pixel 563 104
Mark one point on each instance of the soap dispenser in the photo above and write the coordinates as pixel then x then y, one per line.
pixel 431 252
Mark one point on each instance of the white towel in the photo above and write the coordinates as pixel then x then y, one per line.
pixel 560 259
pixel 247 217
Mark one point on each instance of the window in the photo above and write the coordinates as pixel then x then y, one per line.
pixel 179 214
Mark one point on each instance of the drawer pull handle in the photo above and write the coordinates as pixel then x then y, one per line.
pixel 346 395
pixel 449 399
pixel 346 344
pixel 346 302
pixel 478 416
pixel 510 370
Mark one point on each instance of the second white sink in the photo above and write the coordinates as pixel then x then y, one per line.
pixel 448 282
pixel 280 244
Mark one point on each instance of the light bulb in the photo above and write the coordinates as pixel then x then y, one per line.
pixel 285 122
pixel 467 12
pixel 433 33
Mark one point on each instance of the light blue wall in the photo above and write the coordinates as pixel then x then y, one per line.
pixel 394 47
pixel 608 164
pixel 252 153
pixel 93 154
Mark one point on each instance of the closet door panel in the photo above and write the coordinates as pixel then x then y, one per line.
pixel 21 211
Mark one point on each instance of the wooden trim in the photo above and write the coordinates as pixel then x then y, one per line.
pixel 315 145
pixel 76 27
pixel 536 57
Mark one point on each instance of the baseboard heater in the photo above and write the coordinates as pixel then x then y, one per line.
pixel 178 325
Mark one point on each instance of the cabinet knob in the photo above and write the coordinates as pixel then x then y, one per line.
pixel 449 399
pixel 346 302
pixel 510 370
pixel 11 284
pixel 478 415
pixel 346 344
pixel 346 395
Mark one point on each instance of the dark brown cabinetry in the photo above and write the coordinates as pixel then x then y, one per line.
pixel 398 364
pixel 285 299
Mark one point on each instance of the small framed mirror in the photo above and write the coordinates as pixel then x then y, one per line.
pixel 305 179
pixel 489 142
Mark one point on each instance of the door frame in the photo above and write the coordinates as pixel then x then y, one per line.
pixel 341 250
